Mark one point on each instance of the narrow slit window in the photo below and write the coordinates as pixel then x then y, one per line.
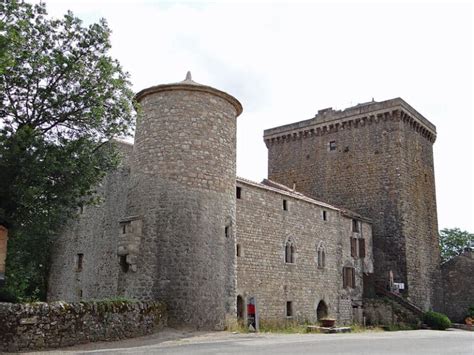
pixel 325 216
pixel 227 231
pixel 79 261
pixel 238 250
pixel 285 205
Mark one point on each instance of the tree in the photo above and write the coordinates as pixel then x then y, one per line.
pixel 453 241
pixel 62 99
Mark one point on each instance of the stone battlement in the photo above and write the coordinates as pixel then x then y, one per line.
pixel 329 120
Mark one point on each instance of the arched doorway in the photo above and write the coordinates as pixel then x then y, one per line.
pixel 322 310
pixel 240 308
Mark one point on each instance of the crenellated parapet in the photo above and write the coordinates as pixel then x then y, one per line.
pixel 330 121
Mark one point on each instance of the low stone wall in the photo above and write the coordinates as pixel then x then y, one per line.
pixel 29 326
pixel 383 311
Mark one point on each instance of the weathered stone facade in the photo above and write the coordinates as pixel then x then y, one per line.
pixel 268 217
pixel 377 160
pixel 175 225
pixel 49 325
pixel 458 283
pixel 166 229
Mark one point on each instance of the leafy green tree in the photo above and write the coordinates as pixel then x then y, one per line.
pixel 452 242
pixel 62 99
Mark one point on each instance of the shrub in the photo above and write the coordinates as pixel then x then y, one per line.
pixel 436 320
pixel 470 312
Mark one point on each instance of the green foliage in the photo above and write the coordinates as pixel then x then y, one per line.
pixel 62 99
pixel 452 242
pixel 436 320
pixel 470 312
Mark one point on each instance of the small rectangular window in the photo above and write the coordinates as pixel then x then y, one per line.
pixel 362 248
pixel 227 231
pixel 289 309
pixel 79 261
pixel 332 145
pixel 354 247
pixel 355 226
pixel 285 205
pixel 124 228
pixel 238 192
pixel 325 216
pixel 238 250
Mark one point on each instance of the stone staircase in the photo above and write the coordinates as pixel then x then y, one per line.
pixel 381 291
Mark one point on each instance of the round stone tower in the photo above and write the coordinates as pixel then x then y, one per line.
pixel 182 192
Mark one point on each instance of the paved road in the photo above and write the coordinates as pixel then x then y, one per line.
pixel 378 343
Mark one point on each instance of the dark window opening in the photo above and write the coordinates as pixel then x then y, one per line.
pixel 325 216
pixel 123 263
pixel 332 145
pixel 239 192
pixel 348 277
pixel 426 178
pixel 289 253
pixel 355 226
pixel 227 231
pixel 285 205
pixel 238 250
pixel 289 309
pixel 79 261
pixel 124 228
pixel 362 248
pixel 80 293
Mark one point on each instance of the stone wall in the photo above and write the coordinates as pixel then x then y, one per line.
pixel 458 286
pixel 59 324
pixel 375 159
pixel 92 234
pixel 263 229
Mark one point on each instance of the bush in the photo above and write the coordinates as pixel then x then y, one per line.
pixel 436 320
pixel 470 312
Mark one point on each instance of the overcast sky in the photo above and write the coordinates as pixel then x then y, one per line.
pixel 285 61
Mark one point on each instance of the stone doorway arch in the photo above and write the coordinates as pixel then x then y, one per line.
pixel 321 310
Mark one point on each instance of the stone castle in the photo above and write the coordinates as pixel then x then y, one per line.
pixel 177 225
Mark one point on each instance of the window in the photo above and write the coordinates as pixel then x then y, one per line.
pixel 325 216
pixel 124 265
pixel 332 145
pixel 289 252
pixel 227 231
pixel 362 248
pixel 348 277
pixel 289 309
pixel 285 205
pixel 79 293
pixel 238 192
pixel 79 261
pixel 321 257
pixel 354 247
pixel 355 226
pixel 238 250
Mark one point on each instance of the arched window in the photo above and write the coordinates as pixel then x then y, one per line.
pixel 290 252
pixel 321 256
